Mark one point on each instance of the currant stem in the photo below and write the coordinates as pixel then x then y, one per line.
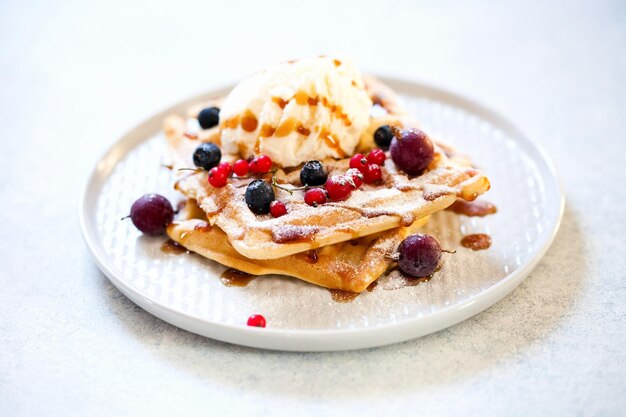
pixel 191 169
pixel 125 217
pixel 289 190
pixel 448 251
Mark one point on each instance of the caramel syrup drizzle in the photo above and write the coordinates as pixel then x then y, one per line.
pixel 250 123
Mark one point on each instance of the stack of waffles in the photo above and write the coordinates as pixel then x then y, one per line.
pixel 343 245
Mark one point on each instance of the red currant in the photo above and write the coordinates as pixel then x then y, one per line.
pixel 338 187
pixel 358 161
pixel 260 164
pixel 256 320
pixel 218 177
pixel 278 208
pixel 315 196
pixel 372 174
pixel 376 156
pixel 226 167
pixel 240 167
pixel 356 176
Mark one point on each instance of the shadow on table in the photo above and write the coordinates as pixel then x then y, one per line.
pixel 503 332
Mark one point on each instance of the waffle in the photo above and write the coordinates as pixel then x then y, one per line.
pixel 349 266
pixel 372 209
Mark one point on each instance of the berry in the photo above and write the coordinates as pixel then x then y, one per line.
pixel 151 213
pixel 240 167
pixel 259 196
pixel 260 164
pixel 419 255
pixel 226 167
pixel 278 208
pixel 412 151
pixel 372 174
pixel 207 156
pixel 315 197
pixel 356 176
pixel 218 177
pixel 358 161
pixel 256 320
pixel 383 136
pixel 338 188
pixel 209 117
pixel 313 173
pixel 376 156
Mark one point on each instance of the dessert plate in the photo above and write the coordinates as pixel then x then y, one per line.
pixel 186 290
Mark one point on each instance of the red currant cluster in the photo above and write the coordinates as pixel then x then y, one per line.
pixel 363 169
pixel 218 176
pixel 369 165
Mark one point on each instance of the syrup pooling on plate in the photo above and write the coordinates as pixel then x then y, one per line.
pixel 172 248
pixel 341 296
pixel 477 241
pixel 235 278
pixel 473 208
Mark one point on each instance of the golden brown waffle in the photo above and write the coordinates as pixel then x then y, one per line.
pixel 369 210
pixel 372 209
pixel 349 266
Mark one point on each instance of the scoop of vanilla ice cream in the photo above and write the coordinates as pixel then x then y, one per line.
pixel 297 111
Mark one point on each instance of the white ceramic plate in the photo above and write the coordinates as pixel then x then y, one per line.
pixel 186 290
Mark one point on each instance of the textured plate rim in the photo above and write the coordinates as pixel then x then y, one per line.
pixel 329 339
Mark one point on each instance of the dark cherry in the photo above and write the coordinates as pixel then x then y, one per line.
pixel 151 214
pixel 419 255
pixel 412 151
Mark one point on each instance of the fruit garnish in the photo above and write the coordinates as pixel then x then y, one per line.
pixel 207 156
pixel 218 177
pixel 372 174
pixel 412 151
pixel 225 166
pixel 209 117
pixel 376 156
pixel 259 196
pixel 338 188
pixel 151 214
pixel 260 164
pixel 256 320
pixel 383 136
pixel 358 161
pixel 315 196
pixel 240 167
pixel 419 255
pixel 355 176
pixel 278 208
pixel 313 173
pixel 290 190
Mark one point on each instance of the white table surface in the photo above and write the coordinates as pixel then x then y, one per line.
pixel 74 76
